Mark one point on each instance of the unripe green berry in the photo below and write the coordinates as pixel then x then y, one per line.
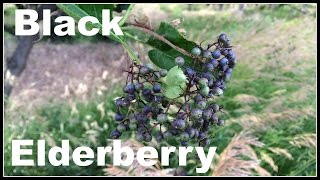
pixel 121 127
pixel 179 61
pixel 196 51
pixel 133 126
pixel 162 118
pixel 204 91
pixel 203 82
pixel 163 72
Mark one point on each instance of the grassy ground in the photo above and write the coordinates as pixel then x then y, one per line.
pixel 271 96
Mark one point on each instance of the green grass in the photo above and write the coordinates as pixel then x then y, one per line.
pixel 246 80
pixel 55 122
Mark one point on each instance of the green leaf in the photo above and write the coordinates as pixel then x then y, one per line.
pixel 172 35
pixel 161 59
pixel 96 9
pixel 167 54
pixel 175 83
pixel 172 92
pixel 73 11
pixel 176 76
pixel 77 13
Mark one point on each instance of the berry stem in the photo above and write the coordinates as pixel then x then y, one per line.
pixel 210 45
pixel 126 16
pixel 155 124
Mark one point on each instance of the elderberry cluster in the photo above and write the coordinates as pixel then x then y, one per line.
pixel 145 110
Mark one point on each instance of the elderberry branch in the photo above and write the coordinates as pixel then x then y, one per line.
pixel 161 38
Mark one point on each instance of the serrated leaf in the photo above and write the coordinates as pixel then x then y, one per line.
pixel 176 76
pixel 173 92
pixel 175 83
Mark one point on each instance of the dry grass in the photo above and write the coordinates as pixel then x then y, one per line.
pixel 263 121
pixel 60 72
pixel 246 99
pixel 136 169
pixel 305 140
pixel 281 152
pixel 231 162
pixel 289 51
pixel 302 94
pixel 270 161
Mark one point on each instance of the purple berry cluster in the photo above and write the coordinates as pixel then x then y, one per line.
pixel 145 110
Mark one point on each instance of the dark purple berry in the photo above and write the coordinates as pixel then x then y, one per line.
pixel 115 134
pixel 216 54
pixel 223 62
pixel 201 135
pixel 146 92
pixel 147 137
pixel 129 88
pixel 138 86
pixel 144 70
pixel 224 52
pixel 181 115
pixel 159 137
pixel 209 67
pixel 184 143
pixel 142 118
pixel 118 116
pixel 178 124
pixel 207 113
pixel 147 109
pixel 201 104
pixel 191 132
pixel 214 62
pixel 118 102
pixel 139 136
pixel 130 97
pixel 196 113
pixel 190 72
pixel 156 88
pixel 198 98
pixel 214 119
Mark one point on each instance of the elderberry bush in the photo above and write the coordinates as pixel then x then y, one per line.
pixel 147 110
